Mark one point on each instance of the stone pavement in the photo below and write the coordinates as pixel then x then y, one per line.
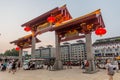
pixel 68 74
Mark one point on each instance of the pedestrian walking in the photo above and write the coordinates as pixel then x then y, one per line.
pixel 48 66
pixel 9 66
pixel 110 70
pixel 14 67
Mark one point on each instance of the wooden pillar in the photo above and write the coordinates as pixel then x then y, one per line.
pixel 20 56
pixel 33 47
pixel 58 63
pixel 90 57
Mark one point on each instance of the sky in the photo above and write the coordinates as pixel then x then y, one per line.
pixel 14 13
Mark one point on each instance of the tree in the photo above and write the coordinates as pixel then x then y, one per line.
pixel 7 53
pixel 15 52
pixel 1 54
pixel 11 52
pixel 27 56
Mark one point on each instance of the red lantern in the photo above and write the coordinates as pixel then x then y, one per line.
pixel 51 19
pixel 17 48
pixel 27 29
pixel 100 31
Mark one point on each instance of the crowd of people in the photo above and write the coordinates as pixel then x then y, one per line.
pixel 10 66
pixel 14 65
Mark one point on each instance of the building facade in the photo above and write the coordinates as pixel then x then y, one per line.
pixel 65 53
pixel 45 53
pixel 73 52
pixel 106 48
pixel 37 53
pixel 78 52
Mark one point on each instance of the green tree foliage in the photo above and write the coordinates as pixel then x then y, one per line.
pixel 27 56
pixel 12 52
pixel 1 54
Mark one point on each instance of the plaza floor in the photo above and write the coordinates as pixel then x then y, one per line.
pixel 67 74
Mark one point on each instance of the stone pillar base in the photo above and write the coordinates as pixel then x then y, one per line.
pixel 92 68
pixel 58 65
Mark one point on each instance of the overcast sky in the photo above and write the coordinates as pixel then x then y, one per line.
pixel 13 13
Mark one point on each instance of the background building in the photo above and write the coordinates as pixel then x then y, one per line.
pixel 37 53
pixel 74 52
pixel 65 52
pixel 78 52
pixel 46 53
pixel 106 48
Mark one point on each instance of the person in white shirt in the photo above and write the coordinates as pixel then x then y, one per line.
pixel 109 68
pixel 9 66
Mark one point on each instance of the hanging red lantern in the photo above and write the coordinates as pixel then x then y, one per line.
pixel 51 19
pixel 17 48
pixel 27 29
pixel 100 31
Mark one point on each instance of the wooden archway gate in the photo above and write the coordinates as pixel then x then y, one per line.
pixel 66 29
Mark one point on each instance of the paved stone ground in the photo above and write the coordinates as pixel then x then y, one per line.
pixel 68 74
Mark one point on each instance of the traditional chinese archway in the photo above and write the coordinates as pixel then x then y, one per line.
pixel 58 20
pixel 81 27
pixel 23 43
pixel 44 23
